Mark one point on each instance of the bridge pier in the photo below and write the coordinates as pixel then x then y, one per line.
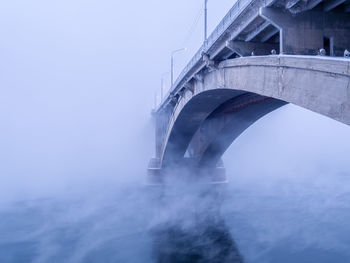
pixel 187 170
pixel 306 33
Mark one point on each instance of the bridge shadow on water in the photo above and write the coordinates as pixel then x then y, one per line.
pixel 188 227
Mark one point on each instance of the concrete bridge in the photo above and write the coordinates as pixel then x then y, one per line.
pixel 263 55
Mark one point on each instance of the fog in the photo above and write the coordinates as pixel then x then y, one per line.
pixel 77 85
pixel 78 80
pixel 289 191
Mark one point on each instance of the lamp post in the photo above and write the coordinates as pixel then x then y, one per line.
pixel 172 63
pixel 205 19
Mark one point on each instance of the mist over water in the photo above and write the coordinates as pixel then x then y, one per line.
pixel 189 227
pixel 133 224
pixel 290 189
pixel 296 210
pixel 105 227
pixel 77 83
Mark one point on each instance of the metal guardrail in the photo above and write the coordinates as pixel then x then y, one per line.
pixel 214 36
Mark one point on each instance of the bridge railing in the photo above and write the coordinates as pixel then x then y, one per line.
pixel 214 36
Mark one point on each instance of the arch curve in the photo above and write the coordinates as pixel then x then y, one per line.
pixel 252 87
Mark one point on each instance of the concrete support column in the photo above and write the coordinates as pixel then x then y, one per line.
pixel 154 171
pixel 300 34
pixel 307 32
pixel 159 136
pixel 161 125
pixel 337 30
pixel 186 171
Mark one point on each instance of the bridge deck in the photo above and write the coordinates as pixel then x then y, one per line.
pixel 245 23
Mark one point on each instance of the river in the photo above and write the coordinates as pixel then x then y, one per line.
pixel 182 223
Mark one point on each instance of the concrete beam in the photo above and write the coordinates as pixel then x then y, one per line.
pixel 269 34
pixel 257 31
pixel 312 4
pixel 244 49
pixel 302 6
pixel 241 27
pixel 208 61
pixel 174 97
pixel 198 77
pixel 347 8
pixel 291 3
pixel 329 5
pixel 189 86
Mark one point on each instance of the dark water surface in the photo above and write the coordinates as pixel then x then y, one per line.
pixel 179 224
pixel 189 227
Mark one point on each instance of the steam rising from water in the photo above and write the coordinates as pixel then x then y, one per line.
pixel 136 224
pixel 274 209
pixel 76 86
pixel 189 226
pixel 107 227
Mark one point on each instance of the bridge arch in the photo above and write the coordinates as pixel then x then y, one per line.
pixel 224 102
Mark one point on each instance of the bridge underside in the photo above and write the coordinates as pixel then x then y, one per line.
pixel 196 147
pixel 208 116
pixel 217 132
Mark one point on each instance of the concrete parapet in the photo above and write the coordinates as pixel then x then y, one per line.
pixel 247 48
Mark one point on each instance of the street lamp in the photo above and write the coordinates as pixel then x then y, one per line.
pixel 205 19
pixel 172 63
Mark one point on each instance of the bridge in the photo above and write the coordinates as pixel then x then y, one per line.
pixel 263 55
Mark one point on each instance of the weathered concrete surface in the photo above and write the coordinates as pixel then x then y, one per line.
pixel 320 84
